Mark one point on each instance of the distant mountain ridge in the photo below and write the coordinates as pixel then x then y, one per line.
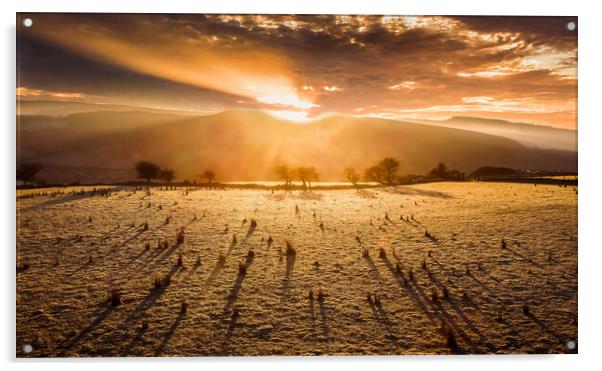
pixel 246 145
pixel 531 135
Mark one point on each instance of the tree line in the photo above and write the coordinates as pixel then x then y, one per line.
pixel 384 172
pixel 151 171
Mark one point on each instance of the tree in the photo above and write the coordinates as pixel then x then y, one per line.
pixel 312 175
pixel 373 174
pixel 303 175
pixel 283 172
pixel 352 176
pixel 439 172
pixel 209 175
pixel 28 171
pixel 385 172
pixel 306 174
pixel 389 166
pixel 147 170
pixel 168 175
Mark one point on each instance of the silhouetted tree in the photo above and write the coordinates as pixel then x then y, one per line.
pixel 352 176
pixel 167 175
pixel 390 168
pixel 306 174
pixel 28 171
pixel 385 172
pixel 283 172
pixel 147 170
pixel 373 174
pixel 439 172
pixel 312 175
pixel 209 175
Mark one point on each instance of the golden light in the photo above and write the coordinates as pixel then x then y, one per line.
pixel 289 101
pixel 295 116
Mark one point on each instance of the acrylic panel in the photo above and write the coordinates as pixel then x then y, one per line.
pixel 213 185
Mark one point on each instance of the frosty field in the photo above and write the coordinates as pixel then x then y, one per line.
pixel 352 251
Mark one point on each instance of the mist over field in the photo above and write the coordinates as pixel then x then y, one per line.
pixel 242 145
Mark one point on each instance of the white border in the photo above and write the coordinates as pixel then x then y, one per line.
pixel 589 28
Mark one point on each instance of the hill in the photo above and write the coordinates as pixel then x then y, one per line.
pixel 247 145
pixel 535 136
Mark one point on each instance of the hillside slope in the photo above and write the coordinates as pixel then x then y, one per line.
pixel 247 145
pixel 535 136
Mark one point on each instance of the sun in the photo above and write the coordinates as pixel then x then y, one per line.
pixel 295 116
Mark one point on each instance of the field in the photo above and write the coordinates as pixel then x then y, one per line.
pixel 429 269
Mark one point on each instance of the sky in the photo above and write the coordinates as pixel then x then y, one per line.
pixel 520 69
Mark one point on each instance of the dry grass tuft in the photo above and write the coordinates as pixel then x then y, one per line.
pixel 115 297
pixel 183 307
pixel 290 250
pixel 180 236
pixel 321 296
pixel 242 269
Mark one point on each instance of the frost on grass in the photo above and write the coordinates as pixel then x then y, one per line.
pixel 495 271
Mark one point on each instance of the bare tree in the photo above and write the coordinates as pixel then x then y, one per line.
pixel 385 172
pixel 285 173
pixel 352 176
pixel 28 171
pixel 304 174
pixel 209 175
pixel 168 175
pixel 147 170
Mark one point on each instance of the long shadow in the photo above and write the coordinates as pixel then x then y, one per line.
pixel 81 268
pixel 218 268
pixel 169 334
pixel 480 283
pixel 249 234
pixel 381 317
pixel 57 201
pixel 523 257
pixel 408 288
pixel 433 239
pixel 444 315
pixel 232 326
pixel 418 192
pixel 238 284
pixel 373 269
pixel 230 248
pixel 545 327
pixel 133 237
pixel 290 264
pixel 135 257
pixel 167 253
pixel 435 280
pixel 87 330
pixel 151 298
pixel 323 318
pixel 468 321
pixel 134 343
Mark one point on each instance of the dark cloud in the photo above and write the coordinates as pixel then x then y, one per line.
pixel 342 64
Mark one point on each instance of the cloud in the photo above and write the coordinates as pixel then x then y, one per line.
pixel 295 63
pixel 28 93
